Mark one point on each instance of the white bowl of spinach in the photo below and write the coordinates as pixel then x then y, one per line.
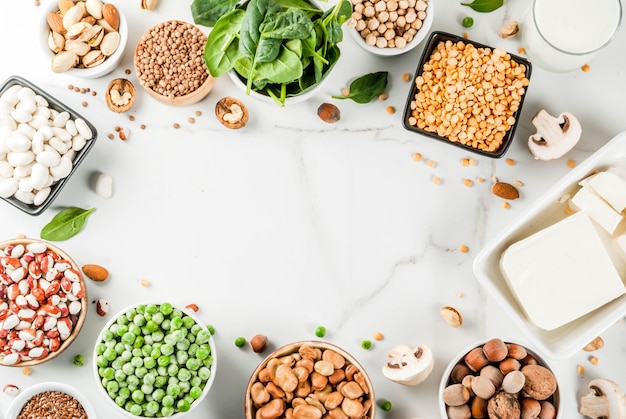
pixel 280 49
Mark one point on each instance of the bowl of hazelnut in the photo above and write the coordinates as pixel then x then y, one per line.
pixel 161 71
pixel 391 27
pixel 83 38
pixel 310 379
pixel 498 379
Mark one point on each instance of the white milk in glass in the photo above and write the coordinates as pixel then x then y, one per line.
pixel 563 35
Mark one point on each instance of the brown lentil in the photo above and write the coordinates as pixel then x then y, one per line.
pixel 84 104
pixel 198 113
pixel 406 77
pixel 192 120
pixel 580 369
pixel 176 125
pixel 468 95
pixel 522 51
pixel 378 336
pixel 383 96
pixel 111 136
pixel 27 371
pixel 127 71
pixel 52 404
pixel 131 118
pixel 170 59
pixel 145 283
pixel 142 126
pixel 465 162
pixel 480 179
pixel 593 360
pixel 519 183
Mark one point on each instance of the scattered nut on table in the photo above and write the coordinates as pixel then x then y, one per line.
pixel 231 112
pixel 95 272
pixel 149 4
pixel 102 307
pixel 451 316
pixel 329 113
pixel 258 343
pixel 120 95
pixel 508 29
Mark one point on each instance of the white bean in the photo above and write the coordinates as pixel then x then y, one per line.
pixel 59 145
pixel 61 119
pixel 26 197
pixel 23 171
pixel 21 115
pixel 61 133
pixel 8 187
pixel 78 142
pixel 21 158
pixel 104 185
pixel 62 169
pixel 6 170
pixel 39 176
pixel 18 142
pixel 83 128
pixel 41 196
pixel 10 95
pixel 49 158
pixel 24 185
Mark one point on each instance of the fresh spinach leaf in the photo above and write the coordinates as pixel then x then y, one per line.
pixel 365 88
pixel 286 68
pixel 484 6
pixel 208 12
pixel 67 223
pixel 222 47
pixel 303 5
pixel 290 24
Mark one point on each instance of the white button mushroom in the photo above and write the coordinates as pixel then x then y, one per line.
pixel 409 366
pixel 555 136
pixel 606 400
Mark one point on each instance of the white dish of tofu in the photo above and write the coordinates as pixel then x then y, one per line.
pixel 560 270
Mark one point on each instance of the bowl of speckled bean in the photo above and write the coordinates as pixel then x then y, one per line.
pixel 154 359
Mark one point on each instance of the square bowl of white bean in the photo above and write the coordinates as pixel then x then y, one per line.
pixel 42 142
pixel 467 94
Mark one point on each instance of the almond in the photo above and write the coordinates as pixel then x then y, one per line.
pixel 505 190
pixel 95 272
pixel 55 21
pixel 111 15
pixel 65 5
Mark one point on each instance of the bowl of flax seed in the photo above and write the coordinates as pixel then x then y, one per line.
pixel 51 399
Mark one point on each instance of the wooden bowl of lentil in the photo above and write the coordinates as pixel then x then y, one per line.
pixel 479 106
pixel 169 63
pixel 50 399
pixel 43 302
pixel 331 376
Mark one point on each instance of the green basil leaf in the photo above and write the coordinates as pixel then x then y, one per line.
pixel 484 6
pixel 365 88
pixel 67 223
pixel 208 12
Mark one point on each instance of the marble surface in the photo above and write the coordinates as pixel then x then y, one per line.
pixel 291 223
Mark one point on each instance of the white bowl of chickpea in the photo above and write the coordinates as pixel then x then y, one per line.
pixel 391 27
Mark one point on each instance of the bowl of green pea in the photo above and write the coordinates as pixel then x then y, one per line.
pixel 155 360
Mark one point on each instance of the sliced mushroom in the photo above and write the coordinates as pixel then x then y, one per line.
pixel 555 135
pixel 605 400
pixel 409 366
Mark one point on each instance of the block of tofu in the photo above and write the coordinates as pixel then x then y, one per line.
pixel 611 187
pixel 598 209
pixel 561 273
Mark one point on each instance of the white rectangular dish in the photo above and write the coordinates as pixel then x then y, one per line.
pixel 565 341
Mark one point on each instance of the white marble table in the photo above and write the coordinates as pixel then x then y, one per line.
pixel 291 223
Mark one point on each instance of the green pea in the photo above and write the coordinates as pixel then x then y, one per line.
pixel 136 410
pixel 79 360
pixel 188 322
pixel 193 364
pixel 137 352
pixel 366 344
pixel 100 348
pixel 195 392
pixel 167 349
pixel 147 388
pixel 195 329
pixel 195 381
pixel 107 335
pixel 167 411
pixel 121 329
pixel 117 364
pixel 113 386
pixel 385 405
pixel 151 326
pixel 157 336
pixel 136 362
pixel 184 374
pixel 141 372
pixel 163 360
pixel 108 373
pixel 172 390
pixel 138 396
pixel 128 338
pixel 183 344
pixel 160 381
pixel 468 21
pixel 120 375
pixel 158 317
pixel 177 313
pixel 120 401
pixel 110 354
pixel 204 373
pixel 240 342
pixel 320 332
pixel 165 324
pixel 176 323
pixel 126 356
pixel 202 353
pixel 182 357
pixel 203 336
pixel 184 387
pixel 124 392
pixel 158 394
pixel 132 380
pixel 149 362
pixel 183 405
pixel 172 370
pixel 166 308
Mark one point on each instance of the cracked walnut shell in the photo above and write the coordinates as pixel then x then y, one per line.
pixel 120 95
pixel 231 112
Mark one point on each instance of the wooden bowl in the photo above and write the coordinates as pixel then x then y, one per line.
pixel 289 355
pixel 78 322
pixel 183 100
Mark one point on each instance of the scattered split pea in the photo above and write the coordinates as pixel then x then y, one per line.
pixel 391 110
pixel 585 68
pixel 463 248
pixel 145 283
pixel 571 163
pixel 378 336
pixel 506 205
pixel 417 157
pixel 436 180
pixel 593 360
pixel 510 162
pixel 406 77
pixel 430 163
pixel 468 182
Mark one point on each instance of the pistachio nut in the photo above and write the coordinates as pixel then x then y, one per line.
pixel 94 8
pixel 105 25
pixel 96 35
pixel 72 16
pixel 109 43
pixel 79 47
pixel 148 4
pixel 93 58
pixel 56 42
pixel 80 31
pixel 64 61
pixel 89 19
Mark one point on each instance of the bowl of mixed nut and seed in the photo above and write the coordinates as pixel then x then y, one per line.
pixel 169 63
pixel 154 359
pixel 310 379
pixel 43 302
pixel 51 399
pixel 83 38
pixel 467 94
pixel 391 27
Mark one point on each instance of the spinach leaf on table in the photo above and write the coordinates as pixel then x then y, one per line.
pixel 222 47
pixel 484 6
pixel 208 12
pixel 365 88
pixel 67 223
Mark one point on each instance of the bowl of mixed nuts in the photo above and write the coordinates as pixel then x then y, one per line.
pixel 310 379
pixel 391 27
pixel 467 94
pixel 84 38
pixel 43 302
pixel 50 399
pixel 155 360
pixel 176 75
pixel 498 379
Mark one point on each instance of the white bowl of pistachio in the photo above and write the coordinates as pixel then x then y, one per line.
pixel 83 38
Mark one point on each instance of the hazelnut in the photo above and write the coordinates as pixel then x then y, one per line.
pixel 483 387
pixel 495 350
pixel 516 351
pixel 504 406
pixel 509 364
pixel 540 382
pixel 478 408
pixel 493 374
pixel 455 395
pixel 329 113
pixel 459 371
pixel 258 343
pixel 548 411
pixel 513 382
pixel 530 408
pixel 459 412
pixel 476 360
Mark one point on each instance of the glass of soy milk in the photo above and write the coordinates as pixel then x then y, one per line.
pixel 563 35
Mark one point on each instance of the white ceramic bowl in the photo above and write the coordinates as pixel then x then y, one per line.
pixel 565 341
pixel 107 65
pixel 18 402
pixel 445 378
pixel 177 414
pixel 421 34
